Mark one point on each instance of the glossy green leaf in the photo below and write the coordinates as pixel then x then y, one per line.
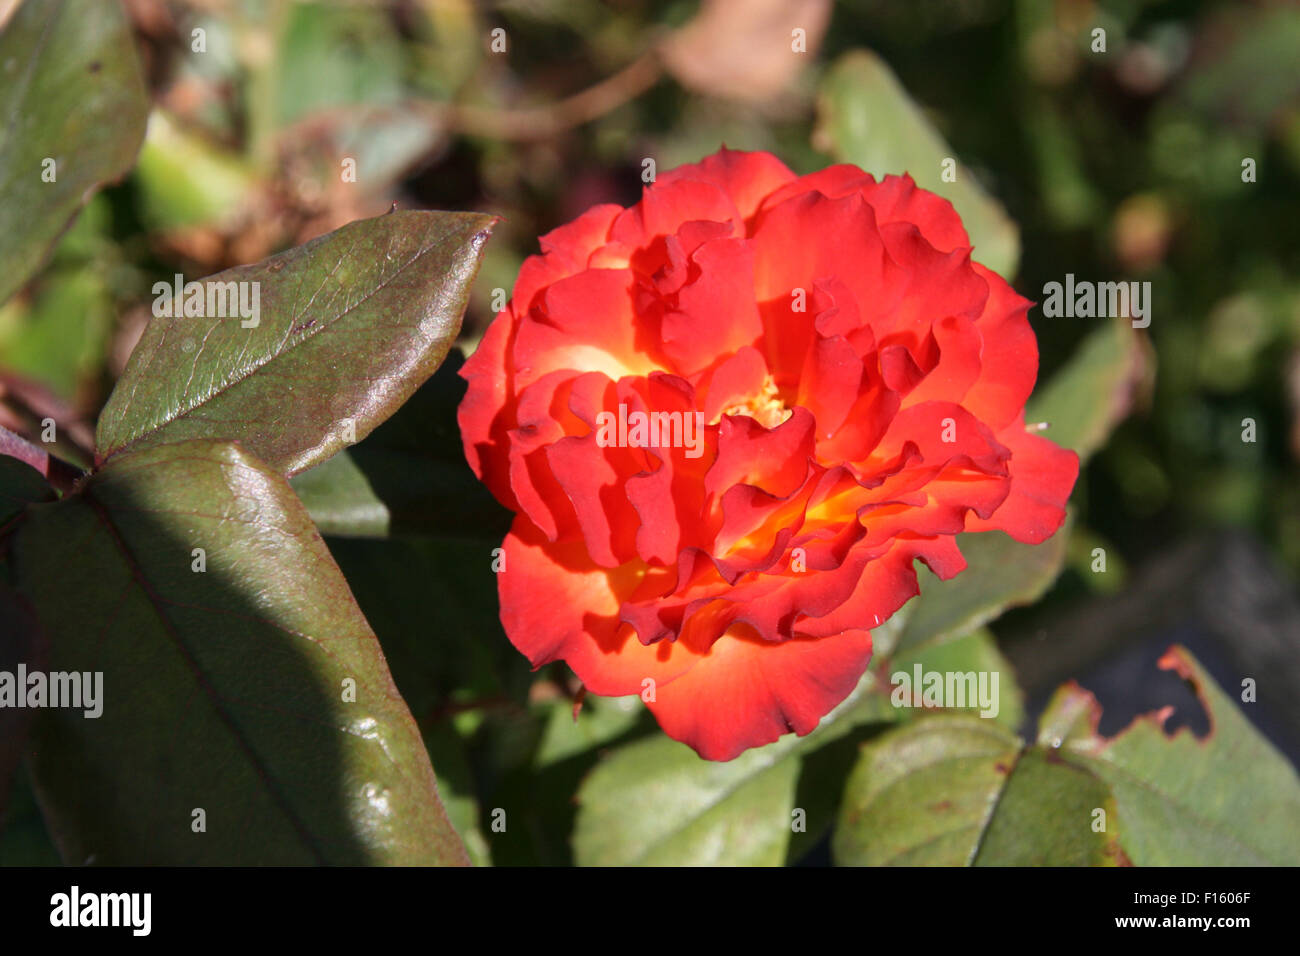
pixel 70 91
pixel 409 477
pixel 341 500
pixel 1093 393
pixel 656 802
pixel 865 117
pixel 1000 573
pixel 958 790
pixel 227 690
pixel 1229 799
pixel 348 327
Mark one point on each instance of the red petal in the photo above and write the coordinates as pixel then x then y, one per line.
pixel 898 199
pixel 485 415
pixel 747 692
pixel 747 178
pixel 886 584
pixel 773 459
pixel 1009 358
pixel 665 207
pixel 807 238
pixel 738 378
pixel 565 251
pixel 556 604
pixel 1042 476
pixel 957 365
pixel 716 313
pixel 586 322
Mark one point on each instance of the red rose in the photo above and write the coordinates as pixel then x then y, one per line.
pixel 730 417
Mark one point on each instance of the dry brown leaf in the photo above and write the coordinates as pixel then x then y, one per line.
pixel 746 49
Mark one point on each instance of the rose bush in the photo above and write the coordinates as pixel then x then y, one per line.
pixel 858 383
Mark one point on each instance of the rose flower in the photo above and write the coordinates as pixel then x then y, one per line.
pixel 729 419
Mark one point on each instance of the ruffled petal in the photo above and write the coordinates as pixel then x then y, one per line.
pixel 747 692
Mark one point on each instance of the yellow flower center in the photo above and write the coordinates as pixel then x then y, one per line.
pixel 766 407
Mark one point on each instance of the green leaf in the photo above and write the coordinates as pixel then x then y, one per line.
pixel 24 841
pixel 599 721
pixel 1229 799
pixel 1093 393
pixel 656 802
pixel 922 794
pixel 530 760
pixel 1045 816
pixel 340 499
pixel 71 92
pixel 865 117
pixel 976 652
pixel 958 790
pixel 227 689
pixel 183 180
pixel 1001 573
pixel 409 477
pixel 331 55
pixel 350 325
pixel 456 787
pixel 22 643
pixel 436 656
pixel 60 332
pixel 20 483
